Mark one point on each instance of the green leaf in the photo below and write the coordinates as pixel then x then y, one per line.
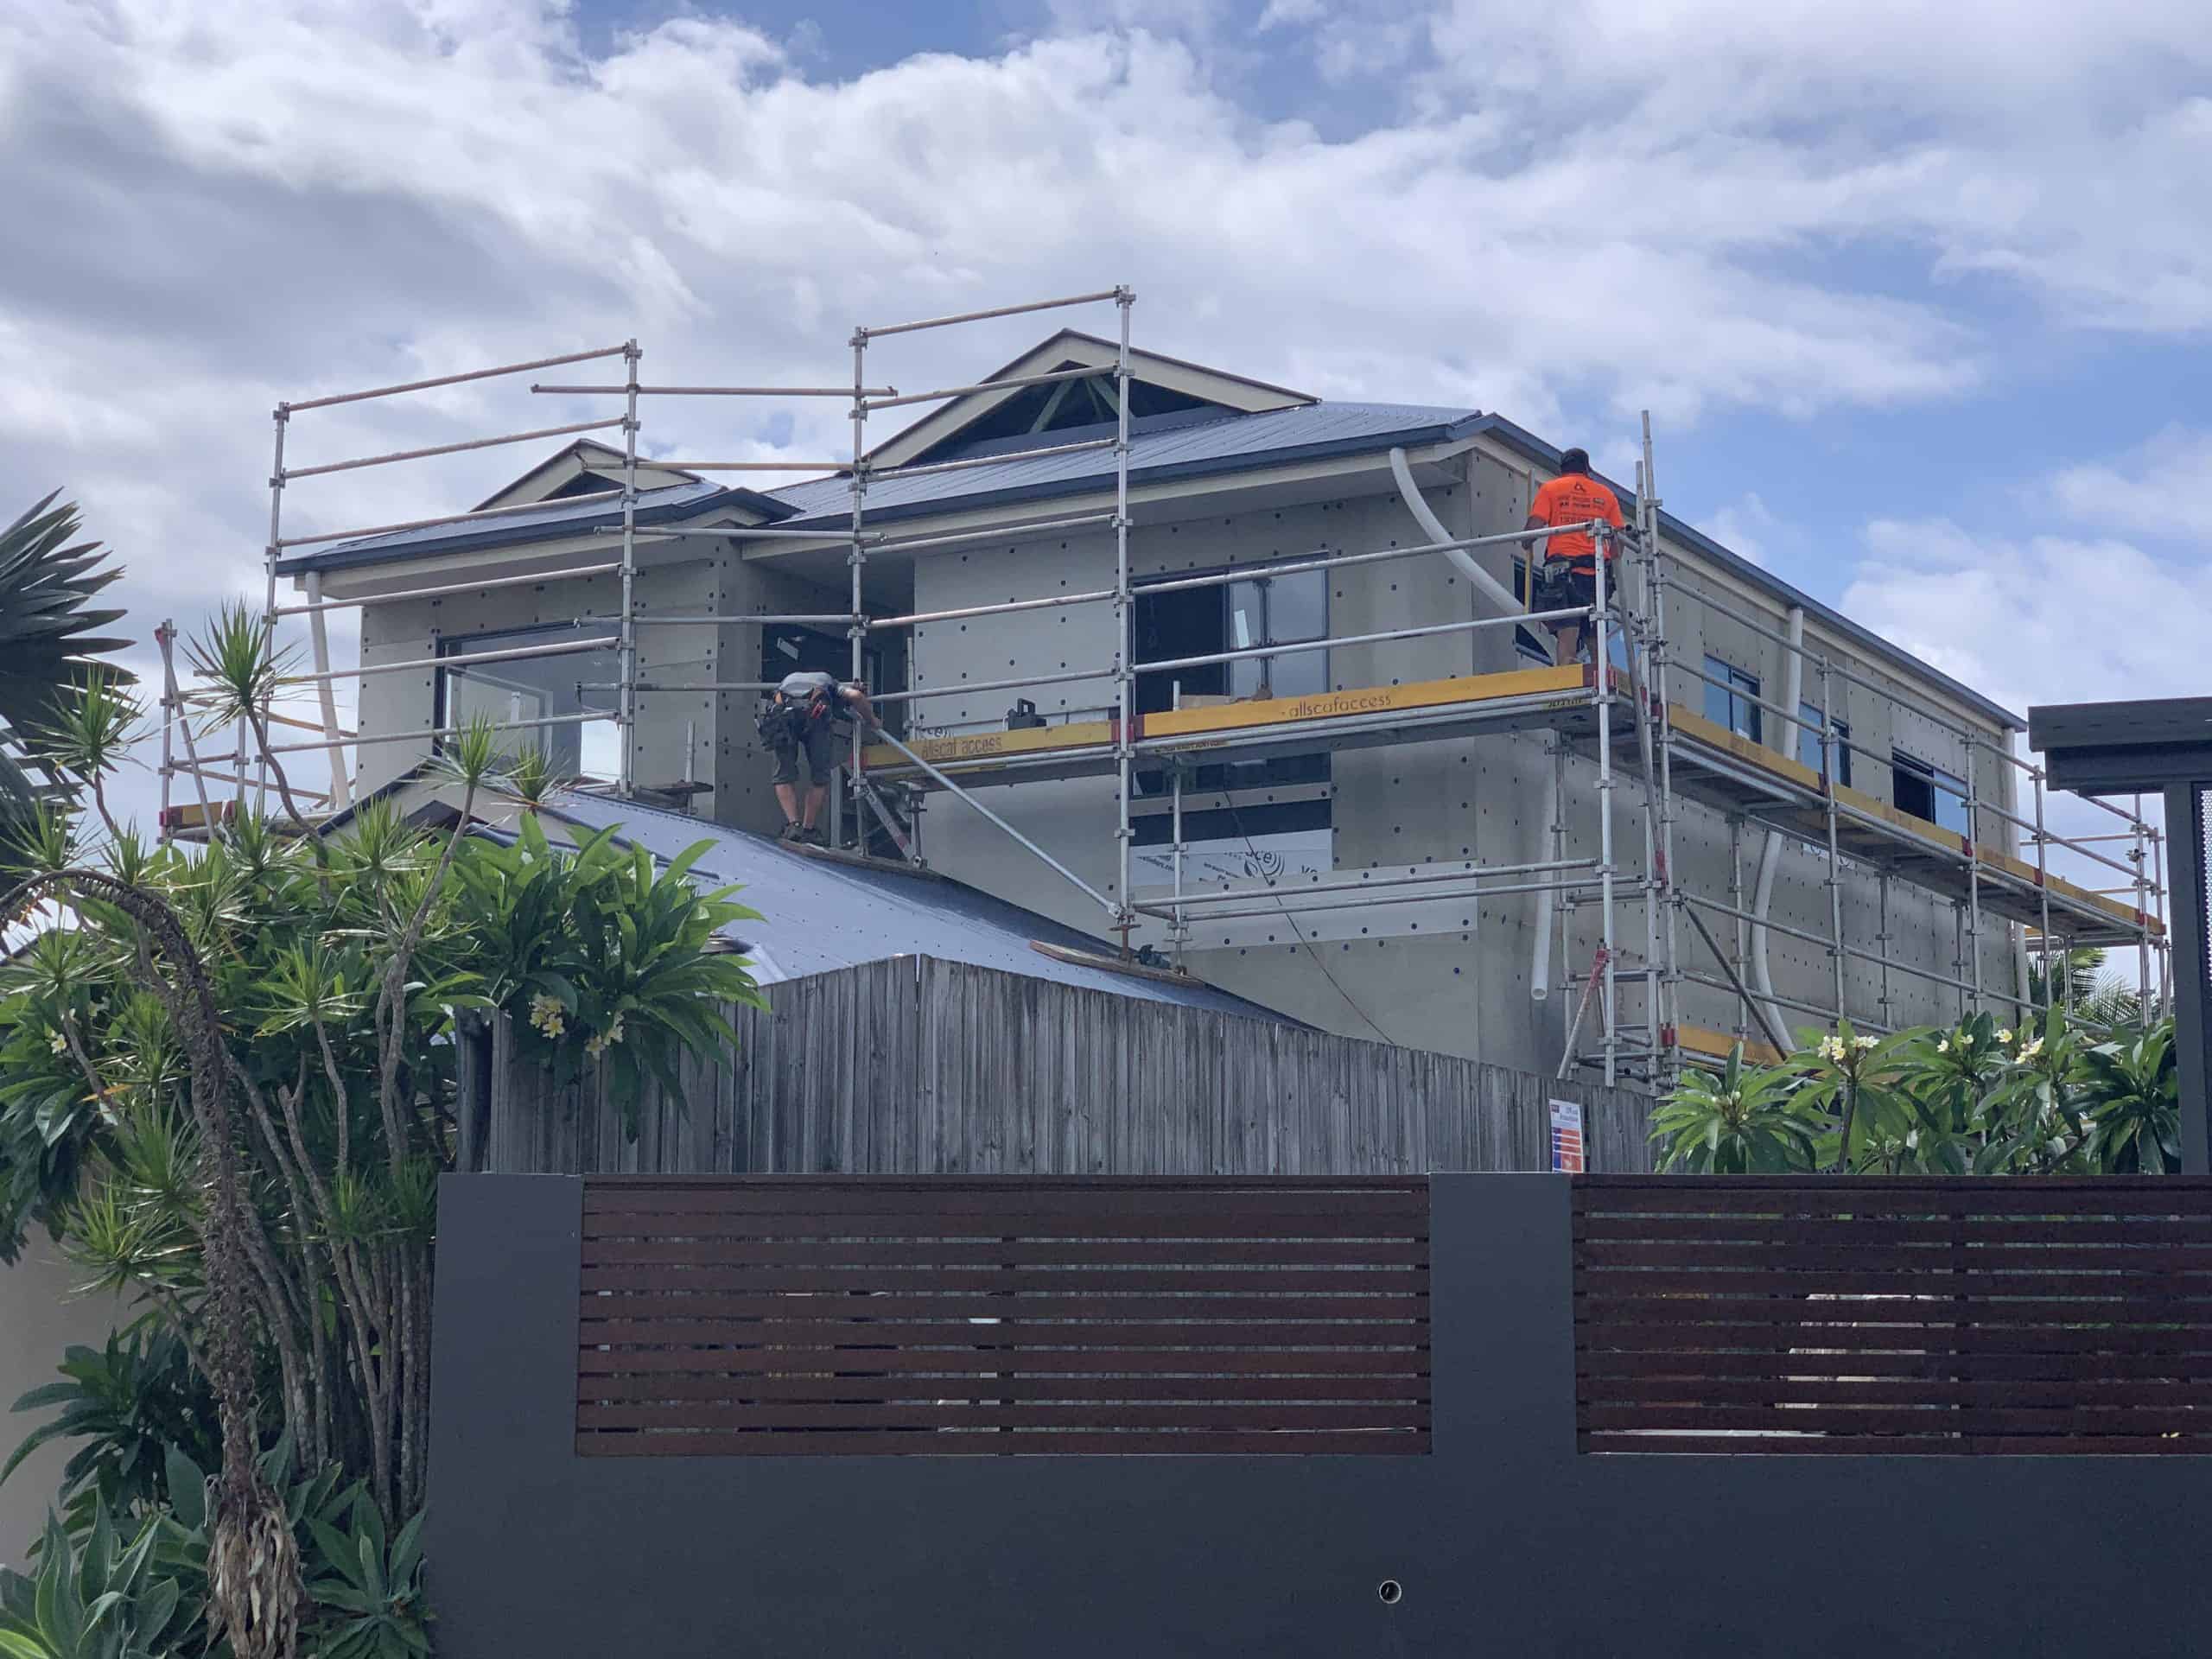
pixel 156 1607
pixel 338 1552
pixel 407 1553
pixel 188 1491
pixel 99 1549
pixel 371 1568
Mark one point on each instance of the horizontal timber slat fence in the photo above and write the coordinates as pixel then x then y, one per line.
pixel 1746 1314
pixel 765 1316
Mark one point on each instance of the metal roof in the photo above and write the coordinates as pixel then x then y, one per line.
pixel 1161 448
pixel 818 915
pixel 564 517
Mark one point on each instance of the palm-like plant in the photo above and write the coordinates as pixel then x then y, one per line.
pixel 89 735
pixel 243 672
pixel 2077 981
pixel 50 643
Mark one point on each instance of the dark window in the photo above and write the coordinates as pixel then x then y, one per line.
pixel 1928 792
pixel 1228 823
pixel 1809 742
pixel 1258 611
pixel 1732 702
pixel 530 688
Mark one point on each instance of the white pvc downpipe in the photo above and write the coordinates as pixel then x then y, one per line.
pixel 1541 952
pixel 1793 695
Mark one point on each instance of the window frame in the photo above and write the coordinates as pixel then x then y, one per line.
pixel 461 645
pixel 1741 686
pixel 1257 575
pixel 1939 784
pixel 1808 732
pixel 1264 666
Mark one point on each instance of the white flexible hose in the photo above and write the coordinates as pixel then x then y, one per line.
pixel 1433 526
pixel 1793 693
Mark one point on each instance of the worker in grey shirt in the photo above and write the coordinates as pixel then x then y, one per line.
pixel 800 718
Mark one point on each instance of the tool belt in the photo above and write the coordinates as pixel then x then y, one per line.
pixel 779 723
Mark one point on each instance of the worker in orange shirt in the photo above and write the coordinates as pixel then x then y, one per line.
pixel 1568 559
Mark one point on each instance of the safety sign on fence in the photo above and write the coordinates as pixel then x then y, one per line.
pixel 1566 1137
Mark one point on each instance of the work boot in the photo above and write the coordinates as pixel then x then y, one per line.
pixel 791 831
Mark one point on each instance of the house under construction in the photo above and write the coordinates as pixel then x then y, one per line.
pixel 1227 675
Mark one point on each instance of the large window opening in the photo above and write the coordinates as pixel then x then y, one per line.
pixel 538 699
pixel 1734 702
pixel 1927 792
pixel 1250 614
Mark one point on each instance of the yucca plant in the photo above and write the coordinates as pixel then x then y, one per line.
pixel 89 735
pixel 247 1065
pixel 242 671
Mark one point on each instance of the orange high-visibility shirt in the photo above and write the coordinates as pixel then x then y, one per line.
pixel 1576 498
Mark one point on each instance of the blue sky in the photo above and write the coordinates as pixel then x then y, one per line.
pixel 1936 345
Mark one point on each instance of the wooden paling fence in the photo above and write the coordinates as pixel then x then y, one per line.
pixel 919 1067
pixel 765 1315
pixel 1808 1314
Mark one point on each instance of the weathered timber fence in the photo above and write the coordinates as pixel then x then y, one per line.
pixel 920 1066
pixel 1504 1525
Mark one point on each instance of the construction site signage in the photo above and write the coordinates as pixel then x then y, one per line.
pixel 1566 1137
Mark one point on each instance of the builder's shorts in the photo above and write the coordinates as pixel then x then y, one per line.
pixel 821 745
pixel 1573 589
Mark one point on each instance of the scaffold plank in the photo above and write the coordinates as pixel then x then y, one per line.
pixel 1472 691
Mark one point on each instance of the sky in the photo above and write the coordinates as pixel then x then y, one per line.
pixel 1919 296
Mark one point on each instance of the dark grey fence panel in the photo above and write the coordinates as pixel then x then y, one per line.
pixel 1503 1539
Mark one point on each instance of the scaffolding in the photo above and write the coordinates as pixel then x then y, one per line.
pixel 1613 712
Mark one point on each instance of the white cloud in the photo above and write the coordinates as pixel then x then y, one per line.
pixel 2036 619
pixel 1747 525
pixel 2055 146
pixel 2040 620
pixel 2162 489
